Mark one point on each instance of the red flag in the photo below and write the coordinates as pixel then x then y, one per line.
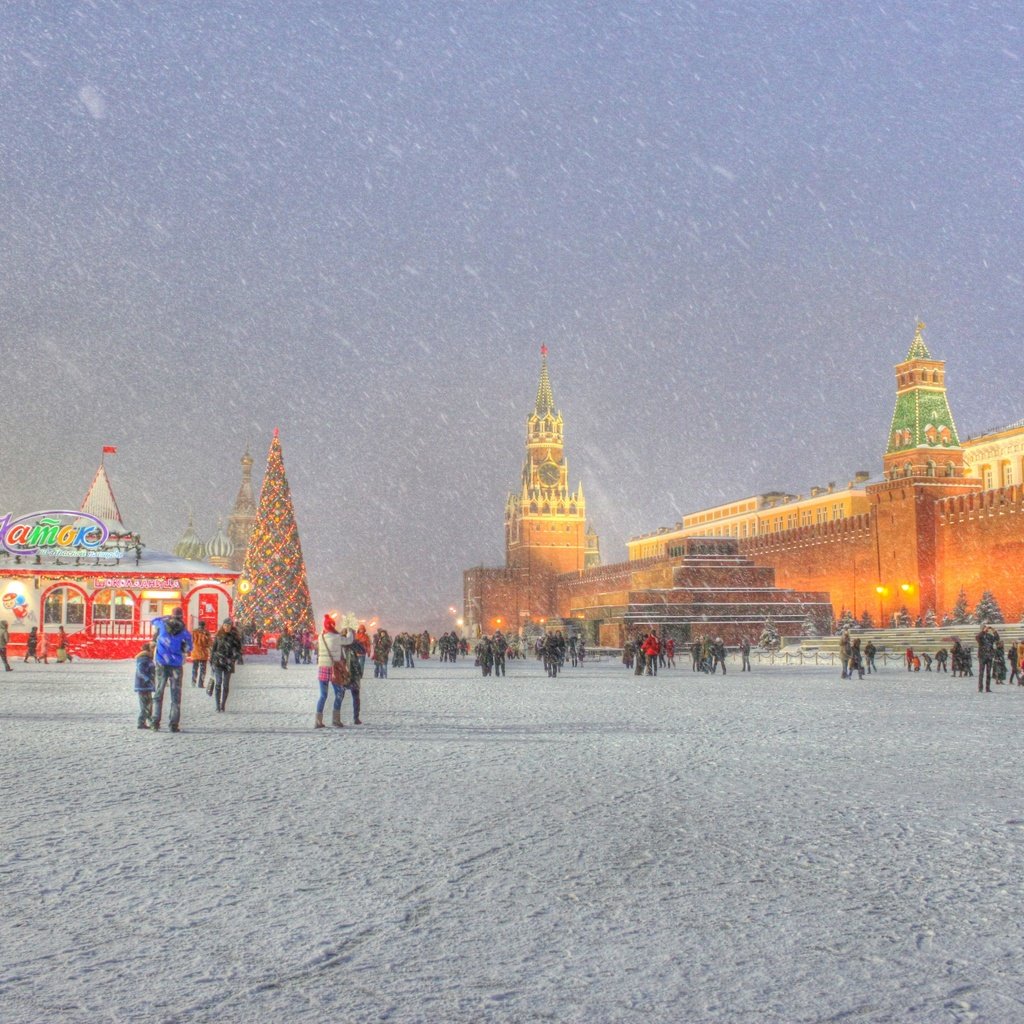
pixel 110 449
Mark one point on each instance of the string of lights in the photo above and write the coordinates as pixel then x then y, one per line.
pixel 274 592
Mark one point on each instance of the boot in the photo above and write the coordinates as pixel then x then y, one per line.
pixel 336 720
pixel 319 721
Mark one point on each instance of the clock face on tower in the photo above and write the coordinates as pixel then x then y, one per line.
pixel 548 474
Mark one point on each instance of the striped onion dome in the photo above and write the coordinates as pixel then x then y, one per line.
pixel 220 545
pixel 190 546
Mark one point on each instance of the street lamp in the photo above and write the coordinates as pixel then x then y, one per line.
pixel 881 592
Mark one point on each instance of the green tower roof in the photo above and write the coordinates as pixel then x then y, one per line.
pixel 922 417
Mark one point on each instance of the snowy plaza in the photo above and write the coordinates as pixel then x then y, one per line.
pixel 776 846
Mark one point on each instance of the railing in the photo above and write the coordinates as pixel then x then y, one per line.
pixel 120 630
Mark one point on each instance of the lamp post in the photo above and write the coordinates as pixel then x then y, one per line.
pixel 881 592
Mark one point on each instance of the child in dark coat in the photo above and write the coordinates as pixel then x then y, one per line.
pixel 145 669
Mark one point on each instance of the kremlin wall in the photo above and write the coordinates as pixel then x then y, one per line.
pixel 942 516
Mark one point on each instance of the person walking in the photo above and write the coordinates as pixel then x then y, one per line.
pixel 1012 655
pixel 63 646
pixel 173 643
pixel 986 641
pixel 869 657
pixel 43 647
pixel 651 649
pixel 500 645
pixel 225 653
pixel 845 646
pixel 355 676
pixel 145 669
pixel 718 652
pixel 201 641
pixel 329 653
pixel 32 644
pixel 856 662
pixel 365 645
pixel 744 655
pixel 5 639
pixel 381 649
pixel 284 647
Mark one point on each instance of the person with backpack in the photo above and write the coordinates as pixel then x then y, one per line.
pixel 173 643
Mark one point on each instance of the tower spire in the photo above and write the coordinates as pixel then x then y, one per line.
pixel 545 397
pixel 918 349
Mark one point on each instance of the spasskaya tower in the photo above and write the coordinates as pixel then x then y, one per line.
pixel 545 522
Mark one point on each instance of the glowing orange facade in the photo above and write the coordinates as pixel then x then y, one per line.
pixel 545 522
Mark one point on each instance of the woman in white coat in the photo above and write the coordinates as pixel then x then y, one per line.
pixel 329 650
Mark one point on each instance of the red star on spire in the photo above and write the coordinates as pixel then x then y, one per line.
pixel 543 350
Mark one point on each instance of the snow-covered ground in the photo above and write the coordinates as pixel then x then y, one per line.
pixel 780 846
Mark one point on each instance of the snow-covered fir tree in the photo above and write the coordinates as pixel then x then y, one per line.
pixel 846 621
pixel 902 618
pixel 866 621
pixel 929 618
pixel 988 609
pixel 770 639
pixel 810 627
pixel 960 614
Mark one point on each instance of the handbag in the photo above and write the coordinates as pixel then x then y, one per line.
pixel 339 669
pixel 339 673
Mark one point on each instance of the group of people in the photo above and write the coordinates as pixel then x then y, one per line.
pixel 997 663
pixel 450 646
pixel 553 648
pixel 993 658
pixel 300 644
pixel 159 666
pixel 340 660
pixel 37 646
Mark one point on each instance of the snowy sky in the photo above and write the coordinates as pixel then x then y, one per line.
pixel 359 222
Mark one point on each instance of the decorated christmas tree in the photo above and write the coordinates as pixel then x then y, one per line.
pixel 274 592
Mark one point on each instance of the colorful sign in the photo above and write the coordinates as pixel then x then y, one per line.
pixel 46 533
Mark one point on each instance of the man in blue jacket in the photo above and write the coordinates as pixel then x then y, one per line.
pixel 173 643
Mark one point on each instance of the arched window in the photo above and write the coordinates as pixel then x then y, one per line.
pixel 112 606
pixel 908 469
pixel 64 607
pixel 931 468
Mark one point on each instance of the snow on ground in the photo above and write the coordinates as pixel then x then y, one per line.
pixel 780 846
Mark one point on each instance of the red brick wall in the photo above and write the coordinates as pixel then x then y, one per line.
pixel 838 558
pixel 936 544
pixel 980 542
